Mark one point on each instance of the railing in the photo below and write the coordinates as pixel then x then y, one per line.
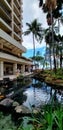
pixel 17 26
pixel 4 9
pixel 17 35
pixel 9 1
pixel 17 3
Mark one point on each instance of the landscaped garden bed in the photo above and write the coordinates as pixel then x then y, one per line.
pixel 50 77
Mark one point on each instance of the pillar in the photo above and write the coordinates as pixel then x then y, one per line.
pixel 23 68
pixel 29 68
pixel 1 69
pixel 1 45
pixel 14 68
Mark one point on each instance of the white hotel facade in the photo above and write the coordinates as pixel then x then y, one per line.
pixel 11 47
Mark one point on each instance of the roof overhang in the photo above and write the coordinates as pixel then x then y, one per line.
pixel 14 59
pixel 8 41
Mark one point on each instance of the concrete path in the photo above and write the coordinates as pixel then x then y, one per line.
pixel 11 77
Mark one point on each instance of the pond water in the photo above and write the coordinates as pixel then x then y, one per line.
pixel 31 93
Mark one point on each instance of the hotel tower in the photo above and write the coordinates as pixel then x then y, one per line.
pixel 11 47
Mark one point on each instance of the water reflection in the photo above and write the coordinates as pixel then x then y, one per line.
pixel 40 93
pixel 33 93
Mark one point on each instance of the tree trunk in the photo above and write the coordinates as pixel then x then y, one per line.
pixel 54 60
pixel 61 60
pixel 34 50
pixel 50 59
pixel 54 64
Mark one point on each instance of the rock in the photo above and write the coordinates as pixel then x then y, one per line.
pixel 10 94
pixel 22 109
pixel 36 110
pixel 18 109
pixel 6 102
pixel 15 104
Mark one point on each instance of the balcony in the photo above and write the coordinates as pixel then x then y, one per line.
pixel 4 13
pixel 16 19
pixel 17 37
pixel 17 3
pixel 4 26
pixel 17 12
pixel 6 4
pixel 17 28
pixel 10 42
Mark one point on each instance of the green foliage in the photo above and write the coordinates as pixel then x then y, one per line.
pixel 49 79
pixel 35 28
pixel 58 113
pixel 29 127
pixel 6 122
pixel 59 76
pixel 49 118
pixel 20 76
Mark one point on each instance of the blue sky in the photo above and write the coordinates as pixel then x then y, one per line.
pixel 31 11
pixel 30 52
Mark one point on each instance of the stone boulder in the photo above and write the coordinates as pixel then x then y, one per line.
pixel 22 110
pixel 6 102
pixel 15 104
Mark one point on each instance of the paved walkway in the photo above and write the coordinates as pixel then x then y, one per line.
pixel 11 77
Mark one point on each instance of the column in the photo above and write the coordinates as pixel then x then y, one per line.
pixel 23 68
pixel 1 69
pixel 1 45
pixel 14 68
pixel 29 68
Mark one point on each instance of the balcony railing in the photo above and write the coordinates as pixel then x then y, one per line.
pixel 17 3
pixel 5 10
pixel 17 35
pixel 18 11
pixel 17 20
pixel 9 1
pixel 17 27
pixel 5 24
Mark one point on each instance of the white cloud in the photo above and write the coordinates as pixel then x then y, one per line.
pixel 35 9
pixel 31 11
pixel 28 43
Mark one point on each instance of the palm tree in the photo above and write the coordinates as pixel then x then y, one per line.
pixel 50 4
pixel 35 28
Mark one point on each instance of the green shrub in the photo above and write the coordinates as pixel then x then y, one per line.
pixel 20 76
pixel 6 122
pixel 48 79
pixel 59 77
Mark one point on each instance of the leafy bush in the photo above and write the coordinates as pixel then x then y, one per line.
pixel 20 76
pixel 6 122
pixel 49 118
pixel 59 77
pixel 48 79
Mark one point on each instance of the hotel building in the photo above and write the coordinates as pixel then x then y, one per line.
pixel 11 47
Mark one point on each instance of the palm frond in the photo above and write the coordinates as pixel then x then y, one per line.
pixel 27 32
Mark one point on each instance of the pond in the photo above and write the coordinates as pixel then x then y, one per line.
pixel 31 92
pixel 28 92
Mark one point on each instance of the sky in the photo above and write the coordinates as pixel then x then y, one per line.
pixel 31 11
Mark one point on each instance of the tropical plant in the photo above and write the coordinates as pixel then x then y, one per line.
pixel 35 28
pixel 53 7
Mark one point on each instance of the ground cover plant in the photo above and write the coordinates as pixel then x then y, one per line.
pixel 49 118
pixel 50 77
